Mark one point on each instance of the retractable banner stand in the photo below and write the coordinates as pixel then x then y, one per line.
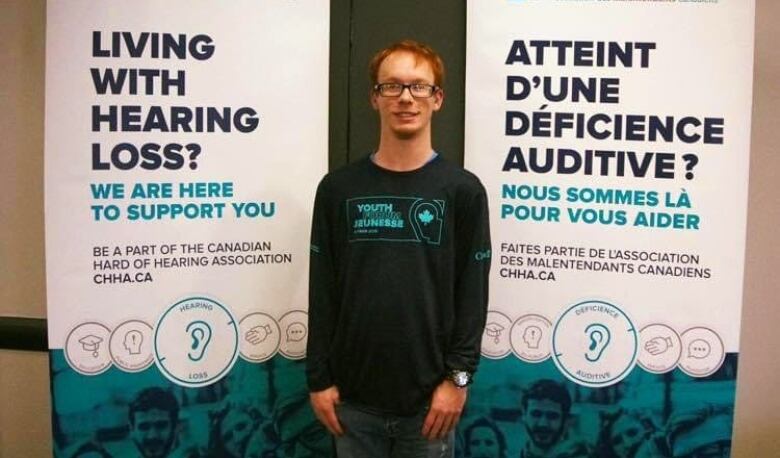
pixel 613 140
pixel 184 142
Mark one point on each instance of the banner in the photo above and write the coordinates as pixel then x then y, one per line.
pixel 184 142
pixel 613 140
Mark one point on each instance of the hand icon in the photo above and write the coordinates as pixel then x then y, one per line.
pixel 658 345
pixel 257 334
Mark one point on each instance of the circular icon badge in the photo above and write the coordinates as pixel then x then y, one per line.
pixel 260 337
pixel 86 348
pixel 131 346
pixel 660 348
pixel 702 352
pixel 495 336
pixel 196 342
pixel 295 331
pixel 530 338
pixel 594 344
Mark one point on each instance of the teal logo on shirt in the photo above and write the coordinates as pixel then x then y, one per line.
pixel 395 219
pixel 377 215
pixel 429 220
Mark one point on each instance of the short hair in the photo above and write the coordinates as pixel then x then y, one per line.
pixel 548 389
pixel 154 398
pixel 485 423
pixel 419 50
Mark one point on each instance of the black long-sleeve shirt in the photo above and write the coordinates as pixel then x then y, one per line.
pixel 398 282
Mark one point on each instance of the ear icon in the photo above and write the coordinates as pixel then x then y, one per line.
pixel 200 333
pixel 599 337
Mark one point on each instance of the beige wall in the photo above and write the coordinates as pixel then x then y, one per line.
pixel 25 425
pixel 24 416
pixel 758 399
pixel 22 287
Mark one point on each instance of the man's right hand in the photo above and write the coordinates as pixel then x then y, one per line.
pixel 324 405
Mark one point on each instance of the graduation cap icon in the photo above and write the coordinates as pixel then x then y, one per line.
pixel 91 343
pixel 493 330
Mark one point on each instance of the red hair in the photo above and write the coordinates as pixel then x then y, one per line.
pixel 419 50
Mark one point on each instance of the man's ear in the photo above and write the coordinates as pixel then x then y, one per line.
pixel 372 95
pixel 438 99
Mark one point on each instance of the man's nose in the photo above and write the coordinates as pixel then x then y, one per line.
pixel 406 94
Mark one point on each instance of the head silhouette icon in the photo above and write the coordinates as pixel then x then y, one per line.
pixel 531 336
pixel 428 220
pixel 133 341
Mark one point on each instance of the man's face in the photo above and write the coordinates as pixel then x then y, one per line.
pixel 405 116
pixel 543 420
pixel 627 435
pixel 483 443
pixel 153 433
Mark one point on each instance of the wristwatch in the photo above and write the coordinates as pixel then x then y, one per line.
pixel 461 379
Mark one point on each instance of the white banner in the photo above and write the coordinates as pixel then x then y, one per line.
pixel 184 142
pixel 613 140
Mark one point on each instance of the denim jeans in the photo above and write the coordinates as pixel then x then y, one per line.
pixel 372 435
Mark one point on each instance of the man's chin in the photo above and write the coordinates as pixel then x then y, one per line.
pixel 161 452
pixel 544 441
pixel 407 132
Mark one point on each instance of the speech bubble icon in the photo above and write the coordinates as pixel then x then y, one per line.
pixel 699 349
pixel 296 332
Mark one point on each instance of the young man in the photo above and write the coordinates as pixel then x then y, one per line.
pixel 546 405
pixel 399 276
pixel 154 418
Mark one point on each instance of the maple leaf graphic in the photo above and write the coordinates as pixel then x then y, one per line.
pixel 425 217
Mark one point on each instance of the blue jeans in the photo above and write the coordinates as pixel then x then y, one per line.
pixel 372 435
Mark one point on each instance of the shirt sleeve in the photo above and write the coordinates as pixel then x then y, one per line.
pixel 323 307
pixel 472 269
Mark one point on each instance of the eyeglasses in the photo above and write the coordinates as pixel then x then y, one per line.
pixel 418 90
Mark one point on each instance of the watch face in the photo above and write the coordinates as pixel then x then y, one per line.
pixel 460 378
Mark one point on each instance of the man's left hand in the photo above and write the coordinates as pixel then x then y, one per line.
pixel 446 406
